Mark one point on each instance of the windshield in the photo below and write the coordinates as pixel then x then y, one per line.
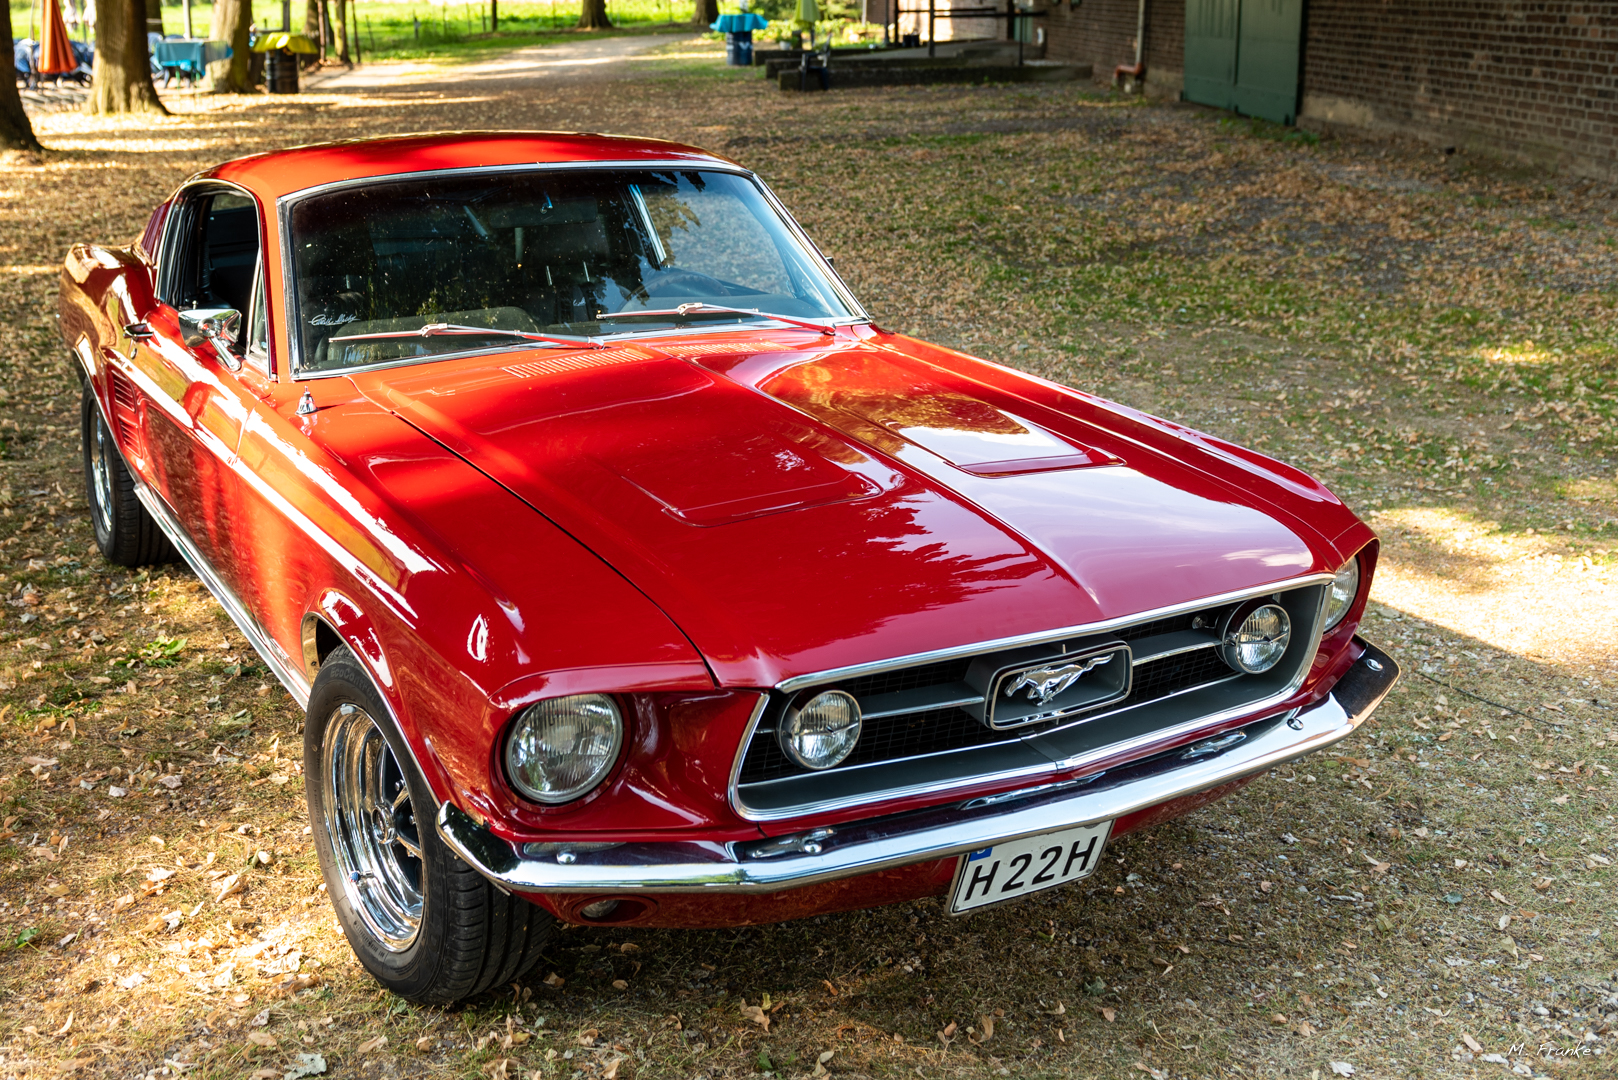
pixel 564 252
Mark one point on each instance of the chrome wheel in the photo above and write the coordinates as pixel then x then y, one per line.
pixel 372 826
pixel 101 473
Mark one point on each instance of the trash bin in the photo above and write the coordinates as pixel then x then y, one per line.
pixel 281 71
pixel 739 48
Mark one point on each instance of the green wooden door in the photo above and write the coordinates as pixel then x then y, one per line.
pixel 1267 59
pixel 1243 55
pixel 1211 31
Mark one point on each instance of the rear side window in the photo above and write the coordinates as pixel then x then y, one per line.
pixel 152 238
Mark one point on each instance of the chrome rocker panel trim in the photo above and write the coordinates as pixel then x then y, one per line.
pixel 771 865
pixel 288 675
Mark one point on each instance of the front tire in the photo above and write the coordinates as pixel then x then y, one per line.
pixel 126 534
pixel 425 924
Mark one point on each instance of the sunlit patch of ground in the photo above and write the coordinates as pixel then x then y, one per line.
pixel 1515 593
pixel 1438 890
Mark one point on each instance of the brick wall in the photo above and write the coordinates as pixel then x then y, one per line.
pixel 1537 79
pixel 1102 33
pixel 1531 79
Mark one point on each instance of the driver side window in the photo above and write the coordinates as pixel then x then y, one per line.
pixel 216 254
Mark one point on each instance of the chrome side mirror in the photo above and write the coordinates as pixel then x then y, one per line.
pixel 218 327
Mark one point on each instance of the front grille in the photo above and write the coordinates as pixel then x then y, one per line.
pixel 951 741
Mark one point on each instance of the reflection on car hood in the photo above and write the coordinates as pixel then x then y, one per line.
pixel 796 506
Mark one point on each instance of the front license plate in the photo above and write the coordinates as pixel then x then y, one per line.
pixel 1014 869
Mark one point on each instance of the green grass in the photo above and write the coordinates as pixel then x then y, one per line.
pixel 391 31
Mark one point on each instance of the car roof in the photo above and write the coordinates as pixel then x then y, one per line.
pixel 282 172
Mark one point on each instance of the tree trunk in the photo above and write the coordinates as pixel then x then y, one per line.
pixel 123 74
pixel 342 32
pixel 154 16
pixel 16 133
pixel 706 12
pixel 593 15
pixel 494 16
pixel 311 30
pixel 231 19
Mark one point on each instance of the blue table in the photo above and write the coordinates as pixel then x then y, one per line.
pixel 187 58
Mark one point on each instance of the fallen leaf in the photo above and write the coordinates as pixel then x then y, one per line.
pixel 587 1037
pixel 1108 1014
pixel 66 1027
pixel 1155 1074
pixel 984 1032
pixel 611 1071
pixel 1341 1068
pixel 292 983
pixel 1376 867
pixel 947 1036
pixel 1304 1029
pixel 820 1063
pixel 1494 894
pixel 830 989
pixel 122 902
pixel 498 1069
pixel 619 984
pixel 554 981
pixel 229 887
pixel 757 1015
pixel 261 1038
pixel 370 1045
pixel 1471 1043
pixel 1277 1018
pixel 425 1043
pixel 1560 800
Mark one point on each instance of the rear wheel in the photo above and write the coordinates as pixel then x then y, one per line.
pixel 425 924
pixel 125 532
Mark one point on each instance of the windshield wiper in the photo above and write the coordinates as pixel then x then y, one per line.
pixel 456 330
pixel 687 309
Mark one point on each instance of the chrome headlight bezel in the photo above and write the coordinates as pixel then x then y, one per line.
pixel 525 744
pixel 1233 649
pixel 1341 594
pixel 793 729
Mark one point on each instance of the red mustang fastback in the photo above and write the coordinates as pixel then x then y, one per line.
pixel 631 575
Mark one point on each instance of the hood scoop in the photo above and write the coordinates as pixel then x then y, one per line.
pixel 968 433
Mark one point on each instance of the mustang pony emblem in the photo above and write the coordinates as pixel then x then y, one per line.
pixel 1043 684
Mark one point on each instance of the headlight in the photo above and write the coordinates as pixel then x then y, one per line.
pixel 1258 641
pixel 559 749
pixel 1344 587
pixel 822 731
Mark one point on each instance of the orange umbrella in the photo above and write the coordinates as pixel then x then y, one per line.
pixel 55 50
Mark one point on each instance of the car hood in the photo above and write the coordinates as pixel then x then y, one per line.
pixel 796 505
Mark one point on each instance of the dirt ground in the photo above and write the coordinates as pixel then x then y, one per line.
pixel 1432 334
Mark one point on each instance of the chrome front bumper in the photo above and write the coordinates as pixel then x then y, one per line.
pixel 764 866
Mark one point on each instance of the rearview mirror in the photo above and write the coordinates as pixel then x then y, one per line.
pixel 218 327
